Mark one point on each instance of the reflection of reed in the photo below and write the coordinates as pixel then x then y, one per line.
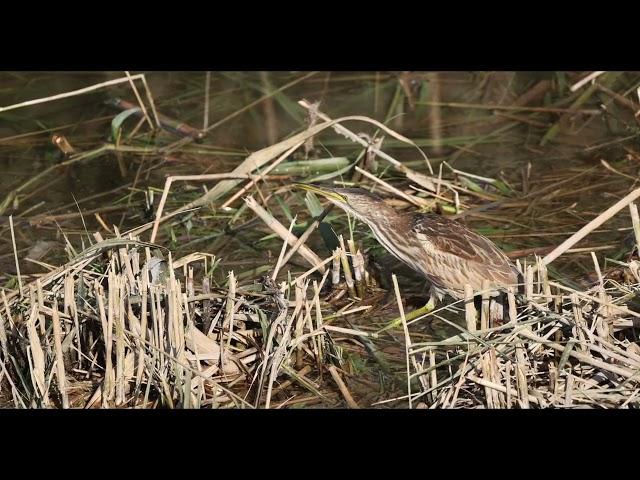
pixel 435 118
pixel 268 107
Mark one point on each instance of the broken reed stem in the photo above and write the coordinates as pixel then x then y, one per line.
pixel 140 102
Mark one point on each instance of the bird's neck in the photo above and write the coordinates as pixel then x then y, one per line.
pixel 388 225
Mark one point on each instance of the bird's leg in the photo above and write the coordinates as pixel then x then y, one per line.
pixel 427 308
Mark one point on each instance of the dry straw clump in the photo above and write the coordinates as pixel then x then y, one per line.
pixel 121 327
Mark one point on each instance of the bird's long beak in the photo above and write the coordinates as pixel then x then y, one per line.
pixel 324 191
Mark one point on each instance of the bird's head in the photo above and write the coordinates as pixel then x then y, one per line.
pixel 362 204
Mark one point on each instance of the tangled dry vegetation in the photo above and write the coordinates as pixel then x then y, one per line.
pixel 125 324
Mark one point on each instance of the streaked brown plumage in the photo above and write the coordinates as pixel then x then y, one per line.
pixel 446 252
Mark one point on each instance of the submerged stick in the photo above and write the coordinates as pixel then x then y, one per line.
pixel 342 387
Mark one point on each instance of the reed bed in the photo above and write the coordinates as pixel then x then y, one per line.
pixel 564 349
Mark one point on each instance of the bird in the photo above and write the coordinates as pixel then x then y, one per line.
pixel 447 253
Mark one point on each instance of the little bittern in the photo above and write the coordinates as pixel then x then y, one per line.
pixel 446 252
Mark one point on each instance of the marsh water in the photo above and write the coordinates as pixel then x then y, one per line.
pixel 527 129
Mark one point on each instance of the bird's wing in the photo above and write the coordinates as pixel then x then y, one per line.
pixel 448 238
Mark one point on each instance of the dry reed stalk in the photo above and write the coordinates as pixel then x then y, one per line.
pixel 521 376
pixel 206 308
pixel 36 358
pixel 412 175
pixel 592 225
pixel 568 392
pixel 507 375
pixel 117 287
pixel 71 310
pixel 279 263
pixel 635 219
pixel 583 357
pixel 486 373
pixel 612 306
pixel 319 322
pixel 417 201
pixel 74 92
pixel 279 355
pixel 602 294
pixel 485 311
pixel 335 267
pixel 283 233
pixel 141 103
pixel 513 312
pixel 406 334
pixel 580 324
pixel 469 308
pixel 261 175
pixel 260 158
pixel 500 388
pixel 348 331
pixel 343 387
pixel 143 325
pixel 57 341
pixel 358 269
pixel 41 321
pixel 309 324
pixel 108 388
pixel 582 82
pixel 317 267
pixel 528 285
pixel 15 251
pixel 167 187
pixel 543 276
pixel 347 268
pixel 3 340
pixel 299 330
pixel 307 233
